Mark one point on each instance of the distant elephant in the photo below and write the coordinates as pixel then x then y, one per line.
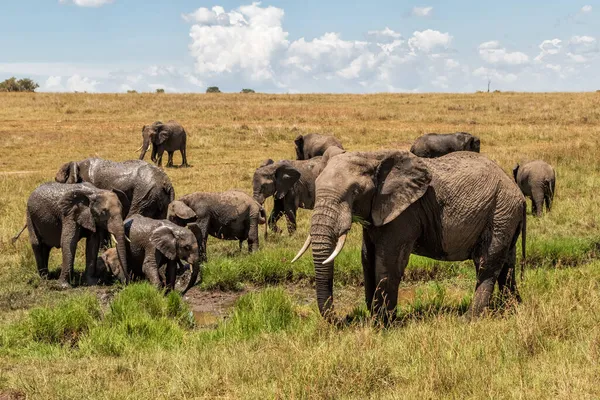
pixel 292 183
pixel 313 145
pixel 537 180
pixel 453 208
pixel 170 137
pixel 59 215
pixel 153 243
pixel 433 145
pixel 231 215
pixel 147 187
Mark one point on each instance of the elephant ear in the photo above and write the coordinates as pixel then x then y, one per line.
pixel 182 211
pixel 268 161
pixel 163 238
pixel 401 179
pixel 77 203
pixel 125 203
pixel 285 177
pixel 68 173
pixel 299 142
pixel 516 171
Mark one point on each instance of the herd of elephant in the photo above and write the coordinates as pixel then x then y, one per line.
pixel 441 200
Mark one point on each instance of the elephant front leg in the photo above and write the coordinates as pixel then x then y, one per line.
pixel 368 264
pixel 390 262
pixel 171 274
pixel 92 245
pixel 159 154
pixel 150 269
pixel 253 235
pixel 276 213
pixel 290 210
pixel 69 239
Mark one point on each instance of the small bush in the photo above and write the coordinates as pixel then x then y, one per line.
pixel 21 85
pixel 132 91
pixel 160 90
pixel 247 91
pixel 213 89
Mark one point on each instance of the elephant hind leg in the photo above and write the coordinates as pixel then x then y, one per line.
pixel 170 160
pixel 41 253
pixel 537 198
pixel 183 152
pixel 507 283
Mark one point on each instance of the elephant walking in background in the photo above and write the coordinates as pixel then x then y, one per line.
pixel 433 145
pixel 537 180
pixel 313 145
pixel 453 208
pixel 170 137
pixel 147 187
pixel 292 183
pixel 230 215
pixel 60 215
pixel 153 243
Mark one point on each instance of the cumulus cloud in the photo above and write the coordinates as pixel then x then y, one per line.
pixel 586 9
pixel 78 83
pixel 429 41
pixel 493 53
pixel 87 3
pixel 421 11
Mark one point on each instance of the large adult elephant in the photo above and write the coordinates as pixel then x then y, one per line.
pixel 169 137
pixel 60 215
pixel 537 180
pixel 147 187
pixel 433 145
pixel 153 243
pixel 292 183
pixel 313 145
pixel 230 215
pixel 457 207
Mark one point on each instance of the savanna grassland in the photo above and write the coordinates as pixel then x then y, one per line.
pixel 252 329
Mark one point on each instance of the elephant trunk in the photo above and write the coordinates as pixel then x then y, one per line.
pixel 115 227
pixel 145 146
pixel 196 270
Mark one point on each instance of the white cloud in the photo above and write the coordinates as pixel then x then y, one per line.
pixel 451 64
pixel 583 45
pixel 385 33
pixel 549 47
pixel 586 9
pixel 53 83
pixel 421 11
pixel 77 83
pixel 429 40
pixel 493 53
pixel 87 3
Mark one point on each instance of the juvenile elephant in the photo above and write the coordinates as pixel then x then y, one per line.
pixel 153 243
pixel 433 145
pixel 457 207
pixel 148 188
pixel 537 180
pixel 292 183
pixel 60 215
pixel 170 137
pixel 231 215
pixel 313 145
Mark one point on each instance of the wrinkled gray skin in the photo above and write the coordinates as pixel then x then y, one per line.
pixel 458 207
pixel 537 181
pixel 313 145
pixel 147 187
pixel 231 215
pixel 433 145
pixel 59 215
pixel 292 183
pixel 169 137
pixel 152 244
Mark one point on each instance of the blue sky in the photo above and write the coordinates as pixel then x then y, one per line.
pixel 302 46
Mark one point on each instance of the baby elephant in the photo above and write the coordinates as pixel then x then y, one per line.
pixel 231 215
pixel 433 145
pixel 170 137
pixel 313 145
pixel 153 243
pixel 537 181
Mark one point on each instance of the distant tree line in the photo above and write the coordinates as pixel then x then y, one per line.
pixel 21 85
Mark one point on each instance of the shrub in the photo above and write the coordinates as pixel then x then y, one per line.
pixel 21 85
pixel 247 91
pixel 160 90
pixel 213 89
pixel 132 91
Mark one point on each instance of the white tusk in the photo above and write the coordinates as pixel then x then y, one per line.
pixel 113 238
pixel 126 238
pixel 303 249
pixel 338 249
pixel 139 148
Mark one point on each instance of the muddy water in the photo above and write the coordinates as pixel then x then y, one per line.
pixel 205 319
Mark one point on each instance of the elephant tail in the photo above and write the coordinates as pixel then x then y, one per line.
pixel 523 240
pixel 15 238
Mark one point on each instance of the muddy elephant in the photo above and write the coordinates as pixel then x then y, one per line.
pixel 147 187
pixel 433 145
pixel 537 180
pixel 152 243
pixel 169 137
pixel 292 183
pixel 313 145
pixel 230 215
pixel 59 215
pixel 453 208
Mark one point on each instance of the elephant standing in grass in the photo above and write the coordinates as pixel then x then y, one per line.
pixel 313 145
pixel 453 208
pixel 537 180
pixel 292 183
pixel 433 145
pixel 60 215
pixel 148 188
pixel 230 215
pixel 153 243
pixel 170 137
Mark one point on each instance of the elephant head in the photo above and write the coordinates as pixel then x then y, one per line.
pixel 153 134
pixel 177 243
pixel 273 179
pixel 108 263
pixel 99 209
pixel 515 172
pixel 470 142
pixel 68 173
pixel 299 142
pixel 375 187
pixel 180 214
